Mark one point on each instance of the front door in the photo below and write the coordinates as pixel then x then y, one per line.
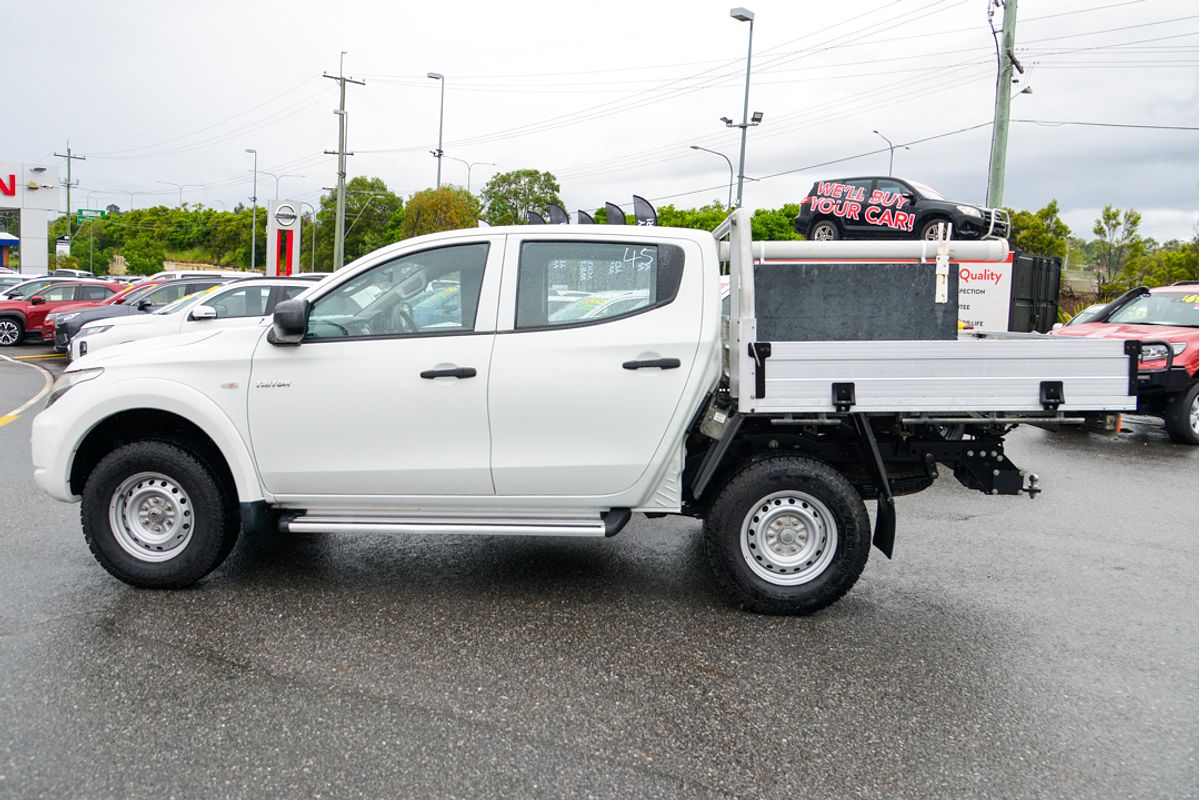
pixel 375 402
pixel 582 393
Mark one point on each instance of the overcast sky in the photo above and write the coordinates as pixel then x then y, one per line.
pixel 607 96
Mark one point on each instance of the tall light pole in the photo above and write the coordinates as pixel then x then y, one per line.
pixel 727 161
pixel 180 187
pixel 744 15
pixel 441 117
pixel 254 213
pixel 470 164
pixel 277 177
pixel 891 150
pixel 312 233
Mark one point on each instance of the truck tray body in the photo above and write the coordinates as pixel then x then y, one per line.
pixel 977 373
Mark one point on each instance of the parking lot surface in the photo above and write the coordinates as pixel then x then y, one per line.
pixel 1012 649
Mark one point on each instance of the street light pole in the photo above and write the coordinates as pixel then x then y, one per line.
pixel 179 185
pixel 313 233
pixel 744 15
pixel 277 177
pixel 727 161
pixel 891 150
pixel 254 213
pixel 441 117
pixel 470 164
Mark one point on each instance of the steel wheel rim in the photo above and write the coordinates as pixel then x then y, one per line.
pixel 823 232
pixel 151 517
pixel 789 538
pixel 8 332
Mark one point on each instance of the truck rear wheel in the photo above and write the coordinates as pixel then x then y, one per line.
pixel 156 517
pixel 1183 417
pixel 787 535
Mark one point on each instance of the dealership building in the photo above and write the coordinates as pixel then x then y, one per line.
pixel 32 190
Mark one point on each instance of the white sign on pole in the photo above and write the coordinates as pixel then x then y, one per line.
pixel 985 294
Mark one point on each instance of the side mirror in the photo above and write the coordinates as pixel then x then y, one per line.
pixel 289 322
pixel 143 305
pixel 203 312
pixel 36 300
pixel 1056 326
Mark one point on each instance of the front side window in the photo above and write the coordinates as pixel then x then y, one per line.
pixel 427 293
pixel 165 295
pixel 1168 308
pixel 891 186
pixel 568 283
pixel 247 301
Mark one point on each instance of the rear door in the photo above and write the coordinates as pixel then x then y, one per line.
pixel 579 405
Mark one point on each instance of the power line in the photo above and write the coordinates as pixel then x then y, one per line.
pixel 1056 123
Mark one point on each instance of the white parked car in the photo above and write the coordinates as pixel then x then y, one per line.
pixel 229 305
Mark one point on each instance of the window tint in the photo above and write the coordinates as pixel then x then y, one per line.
pixel 861 183
pixel 288 292
pixel 92 293
pixel 565 283
pixel 248 301
pixel 435 291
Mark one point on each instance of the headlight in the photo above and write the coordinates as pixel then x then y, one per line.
pixel 1156 352
pixel 60 318
pixel 90 331
pixel 970 211
pixel 69 380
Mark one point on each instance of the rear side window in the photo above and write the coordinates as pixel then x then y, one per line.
pixel 246 301
pixel 576 283
pixel 93 292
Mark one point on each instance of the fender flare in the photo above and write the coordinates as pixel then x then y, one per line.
pixel 90 409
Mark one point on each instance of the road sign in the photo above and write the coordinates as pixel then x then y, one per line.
pixel 88 213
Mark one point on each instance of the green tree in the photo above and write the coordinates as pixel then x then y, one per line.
pixel 372 209
pixel 1172 262
pixel 445 209
pixel 1117 242
pixel 509 196
pixel 1040 232
pixel 775 224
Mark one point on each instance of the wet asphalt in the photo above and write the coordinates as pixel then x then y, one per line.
pixel 1012 649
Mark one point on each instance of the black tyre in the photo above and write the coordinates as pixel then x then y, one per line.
pixel 824 230
pixel 1182 417
pixel 930 229
pixel 11 331
pixel 156 517
pixel 952 432
pixel 787 535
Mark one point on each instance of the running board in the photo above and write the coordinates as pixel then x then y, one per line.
pixel 609 524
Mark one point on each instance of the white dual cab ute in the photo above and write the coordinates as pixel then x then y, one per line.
pixel 485 414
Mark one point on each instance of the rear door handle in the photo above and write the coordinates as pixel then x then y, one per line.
pixel 660 363
pixel 453 372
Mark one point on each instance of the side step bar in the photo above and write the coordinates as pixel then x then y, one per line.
pixel 609 524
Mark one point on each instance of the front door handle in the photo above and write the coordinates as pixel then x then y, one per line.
pixel 453 372
pixel 659 363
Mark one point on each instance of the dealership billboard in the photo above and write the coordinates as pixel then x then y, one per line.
pixel 32 190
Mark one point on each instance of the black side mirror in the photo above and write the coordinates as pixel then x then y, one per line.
pixel 143 305
pixel 289 322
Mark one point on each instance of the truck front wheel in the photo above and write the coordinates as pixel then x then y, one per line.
pixel 1183 417
pixel 156 517
pixel 787 535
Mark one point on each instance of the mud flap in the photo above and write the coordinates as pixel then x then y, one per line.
pixel 885 511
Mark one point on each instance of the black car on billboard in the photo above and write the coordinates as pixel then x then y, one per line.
pixel 877 207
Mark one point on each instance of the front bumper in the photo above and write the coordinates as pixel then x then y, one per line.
pixel 1154 384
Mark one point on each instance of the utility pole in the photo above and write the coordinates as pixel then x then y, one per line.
pixel 1004 80
pixel 69 157
pixel 339 235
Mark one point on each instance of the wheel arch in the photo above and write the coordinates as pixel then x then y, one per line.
pixel 148 424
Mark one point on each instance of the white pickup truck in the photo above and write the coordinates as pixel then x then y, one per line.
pixel 349 411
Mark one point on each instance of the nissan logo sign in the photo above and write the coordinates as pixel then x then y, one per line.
pixel 285 215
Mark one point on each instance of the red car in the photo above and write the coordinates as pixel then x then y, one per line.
pixel 1165 320
pixel 128 294
pixel 21 318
